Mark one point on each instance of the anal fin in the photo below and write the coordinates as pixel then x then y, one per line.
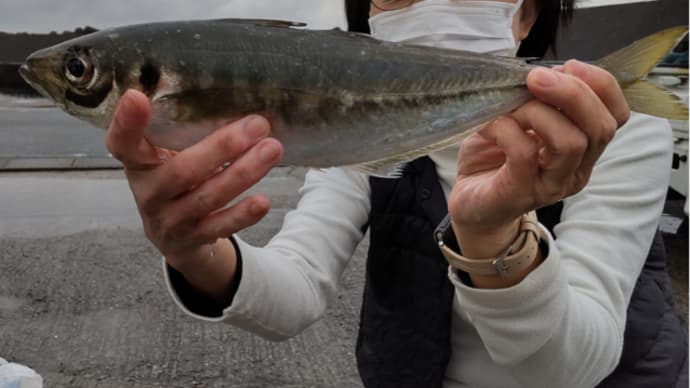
pixel 394 166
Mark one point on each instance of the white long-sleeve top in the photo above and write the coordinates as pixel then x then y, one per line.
pixel 562 326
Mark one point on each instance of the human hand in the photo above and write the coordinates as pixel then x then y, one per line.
pixel 544 151
pixel 181 196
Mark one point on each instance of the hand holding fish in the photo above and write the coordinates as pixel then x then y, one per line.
pixel 181 196
pixel 541 153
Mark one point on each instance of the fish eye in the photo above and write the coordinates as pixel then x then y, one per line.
pixel 78 70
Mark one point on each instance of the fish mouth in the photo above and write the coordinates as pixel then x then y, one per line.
pixel 33 71
pixel 25 72
pixel 28 75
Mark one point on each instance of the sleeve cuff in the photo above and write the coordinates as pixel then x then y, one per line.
pixel 538 302
pixel 246 306
pixel 192 301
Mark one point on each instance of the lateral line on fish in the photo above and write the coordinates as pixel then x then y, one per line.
pixel 413 97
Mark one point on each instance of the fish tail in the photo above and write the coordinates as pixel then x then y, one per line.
pixel 630 64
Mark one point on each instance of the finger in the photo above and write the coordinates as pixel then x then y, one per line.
pixel 194 165
pixel 564 144
pixel 521 151
pixel 125 138
pixel 228 221
pixel 578 102
pixel 604 85
pixel 478 153
pixel 222 188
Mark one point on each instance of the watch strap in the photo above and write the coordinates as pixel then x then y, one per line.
pixel 518 256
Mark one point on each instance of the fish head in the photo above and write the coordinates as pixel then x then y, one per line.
pixel 78 76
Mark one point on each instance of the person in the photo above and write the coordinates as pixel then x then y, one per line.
pixel 567 316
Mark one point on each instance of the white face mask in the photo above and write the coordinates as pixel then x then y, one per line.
pixel 479 26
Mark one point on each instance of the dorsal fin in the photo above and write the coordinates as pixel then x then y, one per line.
pixel 263 22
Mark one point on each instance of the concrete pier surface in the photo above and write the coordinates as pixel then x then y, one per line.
pixel 83 302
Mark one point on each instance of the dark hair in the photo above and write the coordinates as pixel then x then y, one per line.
pixel 541 38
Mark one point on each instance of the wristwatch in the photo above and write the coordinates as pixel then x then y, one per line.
pixel 518 256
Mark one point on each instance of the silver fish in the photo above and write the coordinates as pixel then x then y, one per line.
pixel 333 98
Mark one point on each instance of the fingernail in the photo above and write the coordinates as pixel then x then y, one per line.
pixel 546 77
pixel 255 127
pixel 268 152
pixel 162 154
pixel 577 68
pixel 257 208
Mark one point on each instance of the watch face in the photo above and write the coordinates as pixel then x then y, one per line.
pixel 444 235
pixel 441 231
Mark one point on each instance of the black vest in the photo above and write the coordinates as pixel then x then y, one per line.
pixel 404 336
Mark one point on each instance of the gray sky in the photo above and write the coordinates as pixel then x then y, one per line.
pixel 49 15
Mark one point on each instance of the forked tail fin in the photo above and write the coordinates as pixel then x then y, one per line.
pixel 630 64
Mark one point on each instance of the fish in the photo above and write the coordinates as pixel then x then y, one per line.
pixel 333 98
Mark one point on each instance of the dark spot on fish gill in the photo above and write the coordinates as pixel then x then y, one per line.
pixel 93 99
pixel 149 77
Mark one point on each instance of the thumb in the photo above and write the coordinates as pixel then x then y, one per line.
pixel 125 138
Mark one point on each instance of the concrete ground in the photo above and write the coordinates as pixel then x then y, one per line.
pixel 83 302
